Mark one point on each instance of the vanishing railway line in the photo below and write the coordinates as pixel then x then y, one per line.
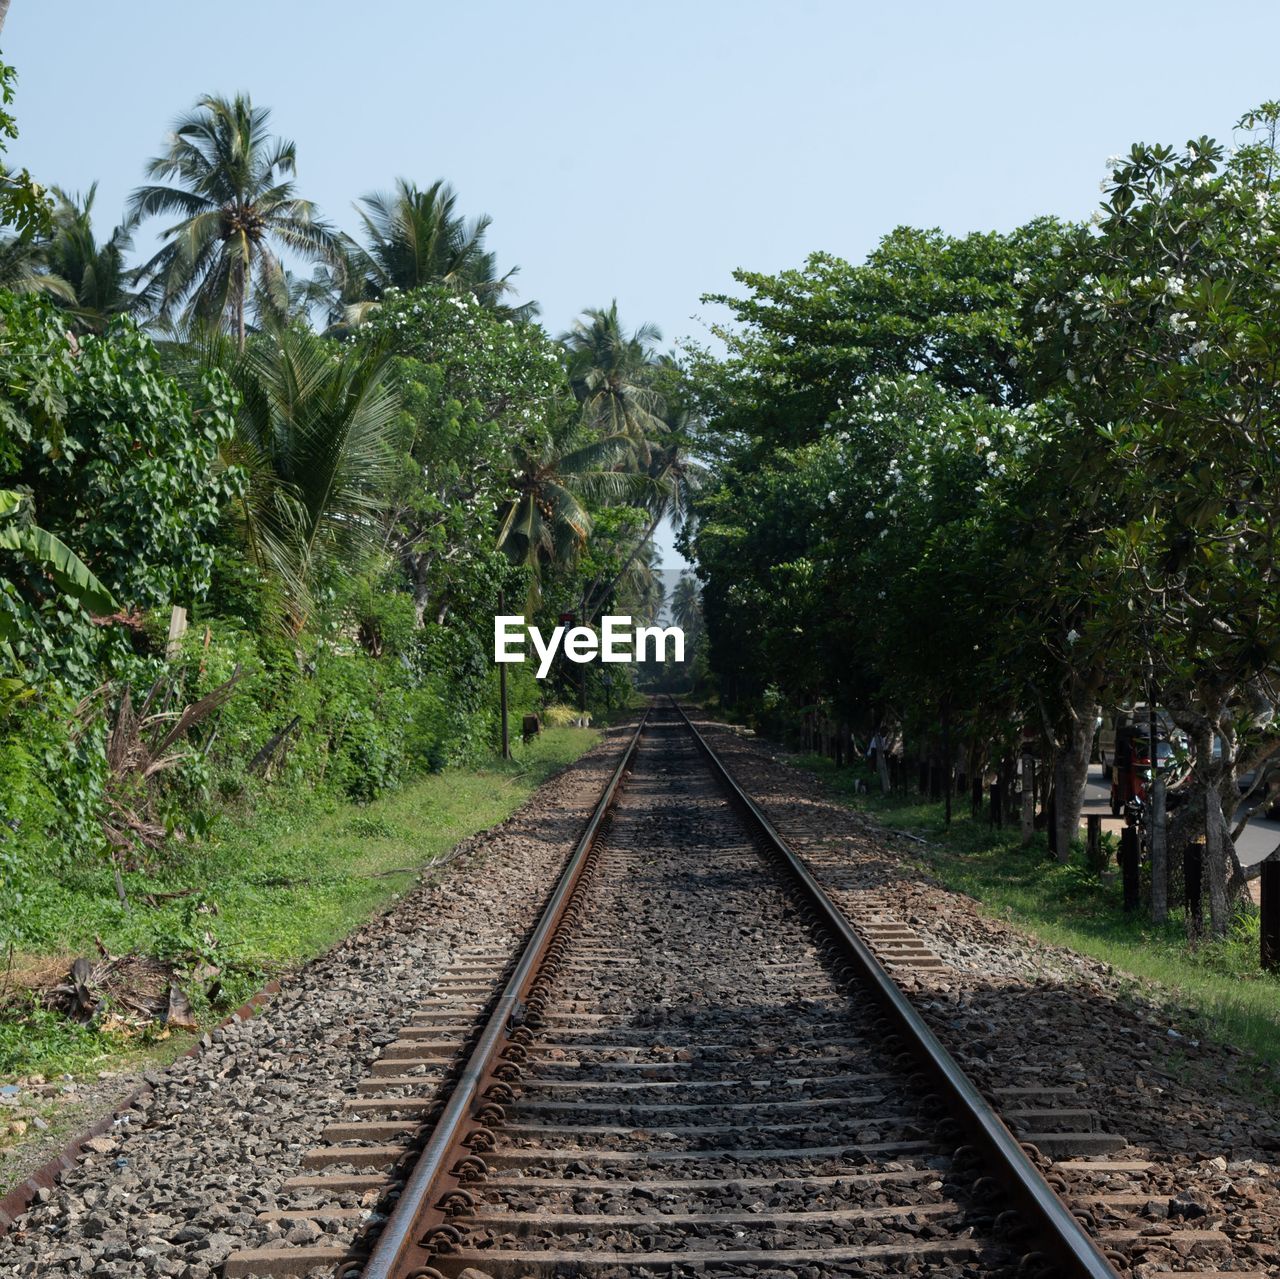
pixel 694 1064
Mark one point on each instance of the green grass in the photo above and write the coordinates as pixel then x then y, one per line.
pixel 1220 982
pixel 263 894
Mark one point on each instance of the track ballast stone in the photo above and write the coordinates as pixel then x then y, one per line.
pixel 178 1186
pixel 1203 1120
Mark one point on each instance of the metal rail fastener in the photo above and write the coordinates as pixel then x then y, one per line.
pixel 1062 1238
pixel 392 1256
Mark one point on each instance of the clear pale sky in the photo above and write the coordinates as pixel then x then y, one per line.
pixel 643 151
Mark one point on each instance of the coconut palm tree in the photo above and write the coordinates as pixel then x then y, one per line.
pixel 555 476
pixel 613 375
pixel 233 192
pixel 315 435
pixel 24 268
pixel 415 238
pixel 96 272
pixel 686 606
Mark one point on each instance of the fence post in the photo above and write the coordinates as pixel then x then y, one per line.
pixel 1270 912
pixel 997 803
pixel 1097 858
pixel 1129 868
pixel 1028 798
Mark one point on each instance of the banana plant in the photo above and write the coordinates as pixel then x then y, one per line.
pixel 67 571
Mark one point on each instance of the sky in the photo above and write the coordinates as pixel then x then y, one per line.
pixel 644 151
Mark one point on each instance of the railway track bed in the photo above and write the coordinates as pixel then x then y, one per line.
pixel 680 1069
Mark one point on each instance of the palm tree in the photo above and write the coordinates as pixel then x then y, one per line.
pixel 416 238
pixel 237 205
pixel 24 268
pixel 686 605
pixel 96 272
pixel 545 520
pixel 612 373
pixel 315 435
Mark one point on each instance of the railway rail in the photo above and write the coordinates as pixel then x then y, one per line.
pixel 695 1063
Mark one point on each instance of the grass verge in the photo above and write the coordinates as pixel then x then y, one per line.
pixel 256 897
pixel 1220 982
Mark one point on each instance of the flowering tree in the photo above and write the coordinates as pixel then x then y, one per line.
pixel 1161 332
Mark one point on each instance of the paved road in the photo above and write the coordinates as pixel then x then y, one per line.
pixel 1260 837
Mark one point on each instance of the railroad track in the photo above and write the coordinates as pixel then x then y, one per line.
pixel 694 1064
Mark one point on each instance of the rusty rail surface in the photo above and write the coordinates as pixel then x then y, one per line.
pixel 405 1246
pixel 1063 1240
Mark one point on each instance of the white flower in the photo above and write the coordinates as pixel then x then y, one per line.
pixel 992 455
pixel 1072 635
pixel 1199 348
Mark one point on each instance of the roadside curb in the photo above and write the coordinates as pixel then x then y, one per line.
pixel 20 1198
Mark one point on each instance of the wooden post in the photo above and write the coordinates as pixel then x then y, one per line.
pixel 948 764
pixel 177 629
pixel 1270 912
pixel 1094 851
pixel 997 802
pixel 1028 797
pixel 975 795
pixel 1129 869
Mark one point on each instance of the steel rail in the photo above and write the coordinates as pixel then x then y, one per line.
pixel 388 1260
pixel 1062 1238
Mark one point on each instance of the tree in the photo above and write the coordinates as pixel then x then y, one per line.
pixel 1160 333
pixel 24 203
pixel 20 534
pixel 116 459
pixel 417 238
pixel 545 520
pixel 612 373
pixel 314 438
pixel 238 208
pixel 473 388
pixel 24 268
pixel 96 273
pixel 686 606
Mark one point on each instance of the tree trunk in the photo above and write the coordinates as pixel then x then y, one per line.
pixel 4 12
pixel 1215 861
pixel 1028 798
pixel 1071 770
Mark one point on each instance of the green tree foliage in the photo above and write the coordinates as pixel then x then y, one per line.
pixel 416 238
pixel 314 440
pixel 97 273
pixel 24 204
pixel 116 459
pixel 233 192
